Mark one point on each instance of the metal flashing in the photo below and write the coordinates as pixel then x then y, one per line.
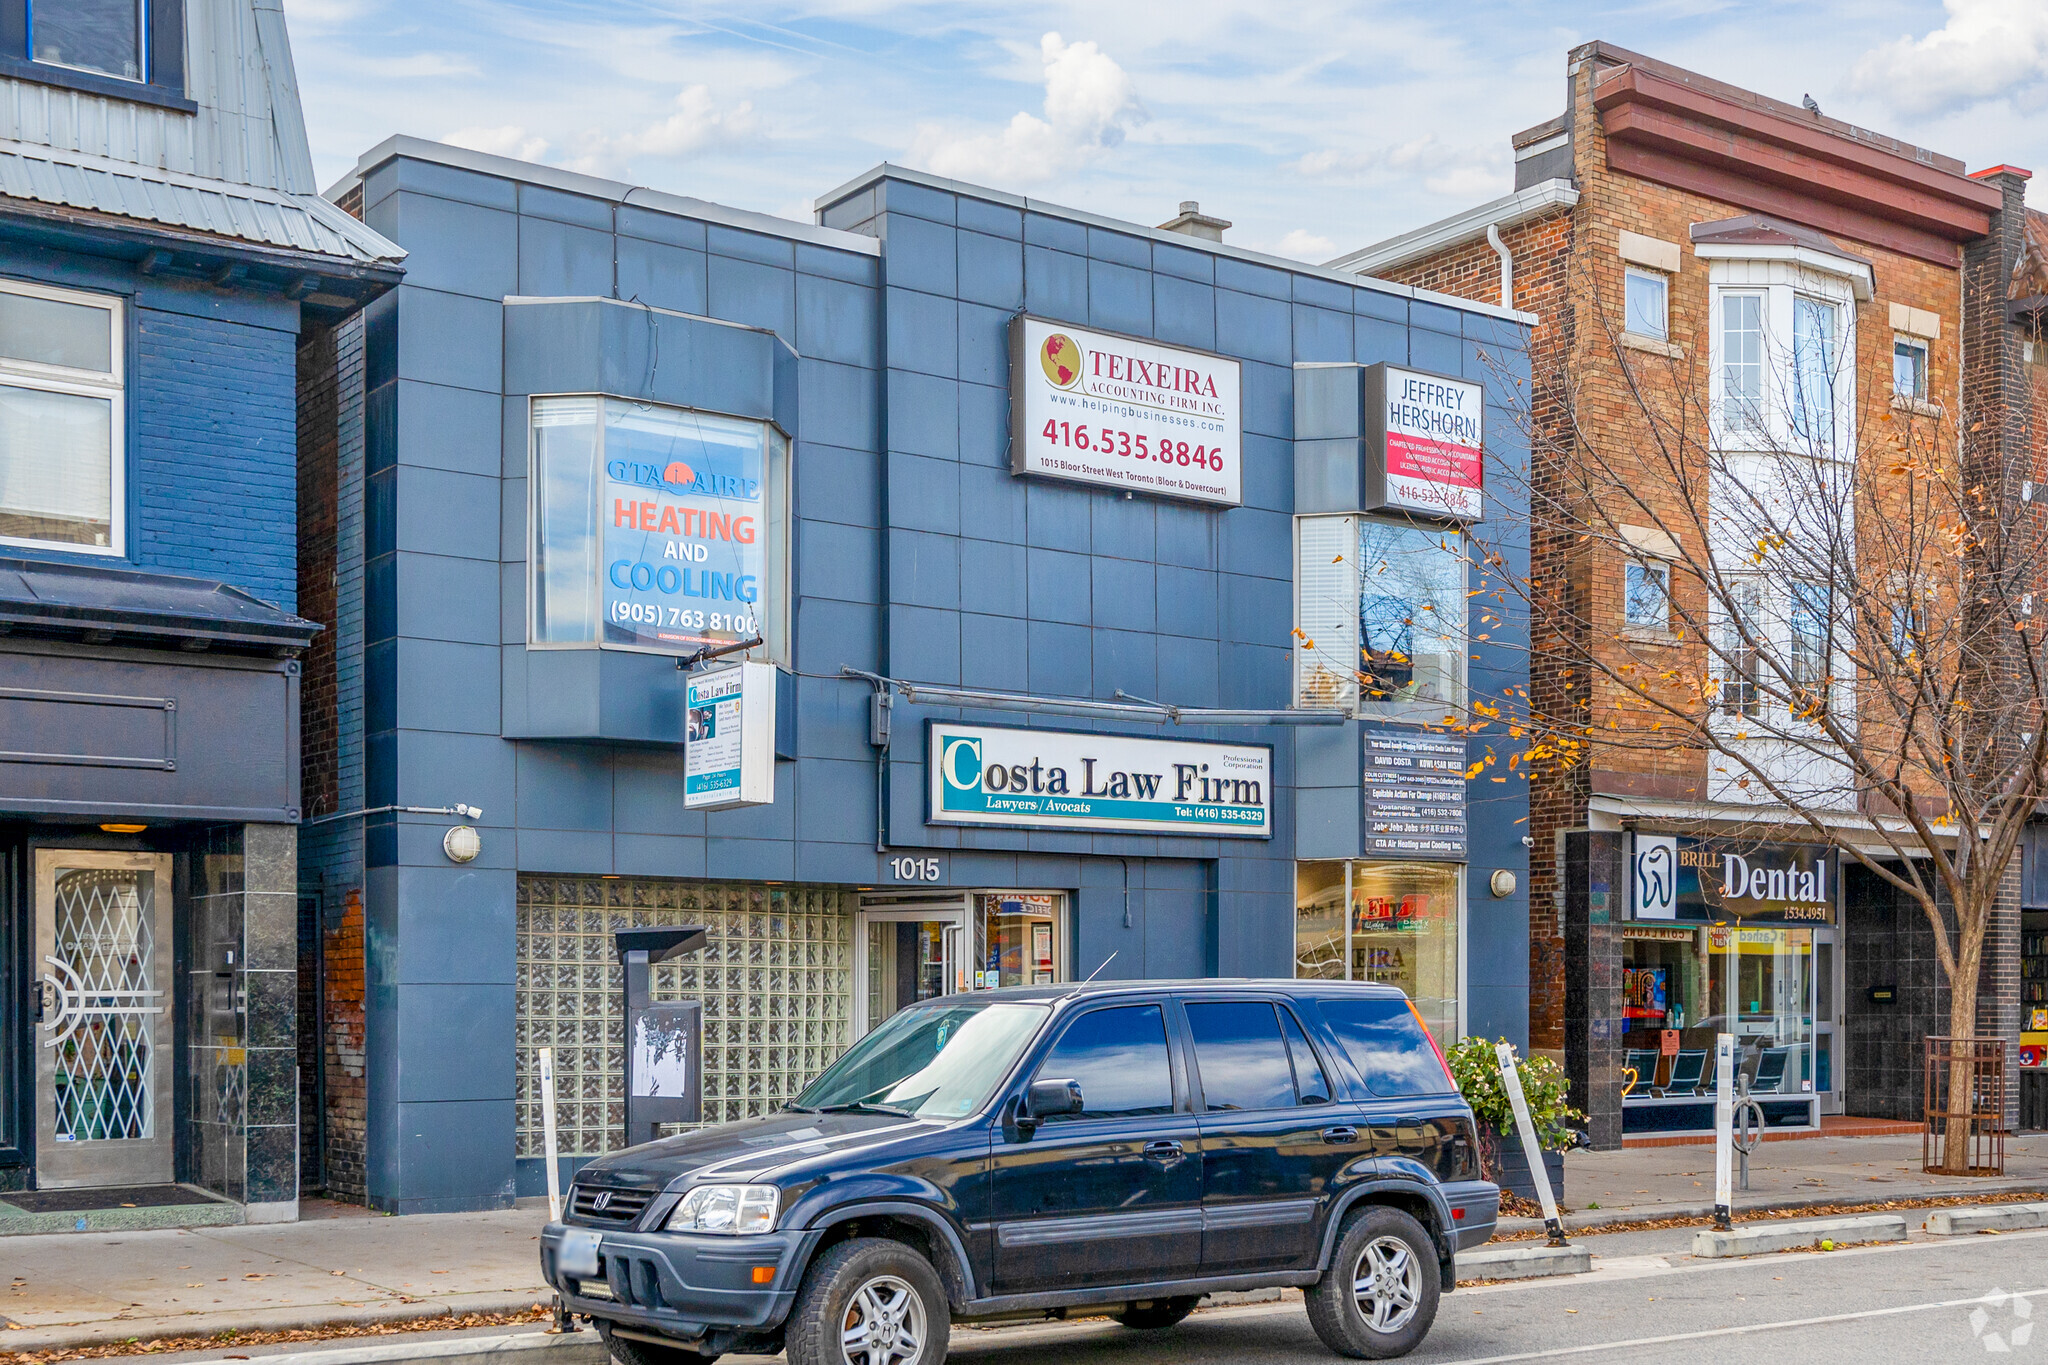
pixel 1460 228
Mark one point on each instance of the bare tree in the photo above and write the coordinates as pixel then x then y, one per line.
pixel 1784 577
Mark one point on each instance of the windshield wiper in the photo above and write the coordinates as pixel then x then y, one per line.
pixel 863 1107
pixel 793 1107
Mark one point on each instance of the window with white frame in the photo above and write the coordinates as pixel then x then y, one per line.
pixel 1647 595
pixel 1809 635
pixel 1380 617
pixel 1815 346
pixel 61 429
pixel 1741 633
pixel 1909 368
pixel 1742 361
pixel 1647 304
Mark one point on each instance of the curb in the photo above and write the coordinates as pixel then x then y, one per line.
pixel 68 1336
pixel 1600 1218
pixel 570 1348
pixel 1523 1263
pixel 1750 1241
pixel 1991 1218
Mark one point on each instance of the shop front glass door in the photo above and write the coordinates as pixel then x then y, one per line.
pixel 1767 975
pixel 905 955
pixel 103 1022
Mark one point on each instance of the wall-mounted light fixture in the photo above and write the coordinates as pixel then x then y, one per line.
pixel 462 843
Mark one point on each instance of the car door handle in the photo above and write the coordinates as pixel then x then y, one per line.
pixel 1166 1151
pixel 1339 1135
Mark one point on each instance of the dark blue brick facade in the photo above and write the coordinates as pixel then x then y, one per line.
pixel 916 553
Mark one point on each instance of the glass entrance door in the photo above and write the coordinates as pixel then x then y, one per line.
pixel 102 1010
pixel 906 950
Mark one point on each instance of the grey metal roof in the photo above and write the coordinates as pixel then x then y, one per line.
pixel 140 604
pixel 249 213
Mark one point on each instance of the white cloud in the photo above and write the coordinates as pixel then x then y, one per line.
pixel 1452 171
pixel 509 140
pixel 1090 104
pixel 697 123
pixel 1988 50
pixel 1303 245
pixel 314 15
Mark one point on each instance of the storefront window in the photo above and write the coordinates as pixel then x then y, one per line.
pixel 1020 939
pixel 657 528
pixel 1403 929
pixel 1380 617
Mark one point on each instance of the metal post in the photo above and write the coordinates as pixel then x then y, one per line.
pixel 1532 1151
pixel 547 1128
pixel 1724 1123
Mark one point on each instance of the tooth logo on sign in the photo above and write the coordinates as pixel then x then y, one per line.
pixel 1656 876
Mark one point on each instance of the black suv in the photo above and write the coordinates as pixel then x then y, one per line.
pixel 1023 1153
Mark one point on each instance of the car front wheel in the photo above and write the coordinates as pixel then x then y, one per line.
pixel 869 1301
pixel 1379 1296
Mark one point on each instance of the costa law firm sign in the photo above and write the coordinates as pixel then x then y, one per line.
pixel 1062 779
pixel 1120 412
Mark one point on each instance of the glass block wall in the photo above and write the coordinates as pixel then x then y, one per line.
pixel 776 979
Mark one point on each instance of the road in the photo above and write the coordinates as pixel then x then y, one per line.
pixel 1915 1302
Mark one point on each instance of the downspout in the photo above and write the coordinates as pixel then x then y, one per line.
pixel 1507 266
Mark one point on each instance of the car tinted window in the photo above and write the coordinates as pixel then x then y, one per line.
pixel 1388 1046
pixel 1240 1054
pixel 1308 1072
pixel 1119 1058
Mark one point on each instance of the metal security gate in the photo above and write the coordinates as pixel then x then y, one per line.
pixel 102 1009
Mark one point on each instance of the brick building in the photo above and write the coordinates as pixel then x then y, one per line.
pixel 163 249
pixel 1692 248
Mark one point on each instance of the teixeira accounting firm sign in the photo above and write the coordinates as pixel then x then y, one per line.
pixel 1061 779
pixel 1713 881
pixel 1119 412
pixel 1425 443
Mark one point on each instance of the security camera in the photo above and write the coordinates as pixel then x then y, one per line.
pixel 1528 841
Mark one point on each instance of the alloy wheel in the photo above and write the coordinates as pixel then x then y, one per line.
pixel 1387 1284
pixel 885 1324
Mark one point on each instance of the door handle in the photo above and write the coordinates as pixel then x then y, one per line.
pixel 1166 1151
pixel 1339 1135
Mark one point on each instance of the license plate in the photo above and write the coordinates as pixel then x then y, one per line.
pixel 577 1255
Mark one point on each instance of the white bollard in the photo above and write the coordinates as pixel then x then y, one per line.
pixel 1724 1127
pixel 547 1127
pixel 1532 1151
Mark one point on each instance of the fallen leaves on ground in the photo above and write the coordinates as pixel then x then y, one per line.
pixel 446 1322
pixel 1767 1215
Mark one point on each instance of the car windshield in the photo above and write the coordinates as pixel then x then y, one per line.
pixel 932 1062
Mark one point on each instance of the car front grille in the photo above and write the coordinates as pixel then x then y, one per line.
pixel 603 1206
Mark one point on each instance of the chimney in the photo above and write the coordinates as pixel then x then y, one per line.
pixel 1192 222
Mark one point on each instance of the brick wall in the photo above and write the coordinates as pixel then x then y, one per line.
pixel 348 1091
pixel 211 452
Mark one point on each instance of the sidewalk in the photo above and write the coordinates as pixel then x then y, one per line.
pixel 344 1265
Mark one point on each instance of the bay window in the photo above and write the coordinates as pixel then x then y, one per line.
pixel 1814 348
pixel 1380 617
pixel 1742 361
pixel 61 420
pixel 656 528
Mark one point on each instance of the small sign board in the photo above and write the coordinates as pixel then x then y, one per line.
pixel 1415 795
pixel 729 740
pixel 1713 881
pixel 1425 444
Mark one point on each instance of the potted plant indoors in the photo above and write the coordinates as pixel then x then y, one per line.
pixel 1475 1066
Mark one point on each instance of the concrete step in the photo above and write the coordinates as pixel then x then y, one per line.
pixel 1523 1262
pixel 534 1347
pixel 1758 1238
pixel 1988 1218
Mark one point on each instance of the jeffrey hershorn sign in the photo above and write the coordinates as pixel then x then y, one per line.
pixel 1121 412
pixel 1425 443
pixel 1062 779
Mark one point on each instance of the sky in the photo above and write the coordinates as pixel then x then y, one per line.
pixel 1314 127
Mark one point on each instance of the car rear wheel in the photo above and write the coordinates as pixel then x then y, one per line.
pixel 1379 1296
pixel 1153 1314
pixel 869 1301
pixel 628 1351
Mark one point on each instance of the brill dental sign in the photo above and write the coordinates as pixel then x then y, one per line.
pixel 1704 881
pixel 1060 779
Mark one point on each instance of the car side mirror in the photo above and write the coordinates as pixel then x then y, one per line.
pixel 1046 1099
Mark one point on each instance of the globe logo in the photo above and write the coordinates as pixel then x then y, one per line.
pixel 1061 358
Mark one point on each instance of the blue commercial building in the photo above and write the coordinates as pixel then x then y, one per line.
pixel 1115 586
pixel 163 251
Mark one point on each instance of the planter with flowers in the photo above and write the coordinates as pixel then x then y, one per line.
pixel 1475 1066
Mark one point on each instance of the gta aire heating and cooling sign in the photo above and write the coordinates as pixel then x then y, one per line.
pixel 1118 412
pixel 1062 779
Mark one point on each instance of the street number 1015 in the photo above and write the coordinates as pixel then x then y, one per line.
pixel 915 869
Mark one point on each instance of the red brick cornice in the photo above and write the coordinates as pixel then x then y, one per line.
pixel 1673 133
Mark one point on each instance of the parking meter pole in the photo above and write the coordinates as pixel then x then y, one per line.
pixel 547 1130
pixel 1532 1151
pixel 1724 1127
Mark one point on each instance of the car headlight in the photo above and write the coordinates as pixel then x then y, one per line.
pixel 726 1208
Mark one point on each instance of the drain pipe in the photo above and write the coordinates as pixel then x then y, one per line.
pixel 1507 266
